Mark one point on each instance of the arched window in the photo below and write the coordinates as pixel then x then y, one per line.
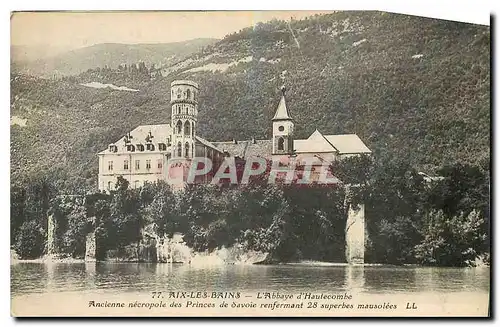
pixel 110 185
pixel 192 129
pixel 178 109
pixel 179 127
pixel 179 149
pixel 281 144
pixel 187 128
pixel 188 94
pixel 186 150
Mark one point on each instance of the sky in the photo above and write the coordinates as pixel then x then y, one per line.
pixel 70 30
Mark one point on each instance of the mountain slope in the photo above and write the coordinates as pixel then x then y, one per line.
pixel 107 54
pixel 406 84
pixel 410 87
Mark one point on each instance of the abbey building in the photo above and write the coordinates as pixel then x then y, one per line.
pixel 144 154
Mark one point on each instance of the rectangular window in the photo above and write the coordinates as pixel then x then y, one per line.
pixel 148 164
pixel 160 164
pixel 110 165
pixel 125 164
pixel 137 165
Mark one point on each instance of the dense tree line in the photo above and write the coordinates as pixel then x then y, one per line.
pixel 444 221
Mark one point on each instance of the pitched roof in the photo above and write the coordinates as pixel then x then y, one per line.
pixel 316 143
pixel 234 149
pixel 348 143
pixel 159 132
pixel 281 112
pixel 261 148
pixel 247 148
pixel 342 144
pixel 207 143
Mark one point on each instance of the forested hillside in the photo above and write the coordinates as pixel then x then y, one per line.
pixel 24 60
pixel 410 87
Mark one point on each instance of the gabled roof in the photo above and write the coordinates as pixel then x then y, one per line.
pixel 159 132
pixel 234 149
pixel 342 144
pixel 282 112
pixel 207 143
pixel 348 143
pixel 247 148
pixel 316 143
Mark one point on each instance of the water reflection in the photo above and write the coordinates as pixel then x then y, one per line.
pixel 90 272
pixel 355 278
pixel 383 279
pixel 124 277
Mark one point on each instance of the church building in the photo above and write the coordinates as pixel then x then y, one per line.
pixel 144 154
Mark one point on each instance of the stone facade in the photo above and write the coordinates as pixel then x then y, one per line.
pixel 90 247
pixel 355 234
pixel 51 235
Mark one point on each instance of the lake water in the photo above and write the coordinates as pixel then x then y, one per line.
pixel 30 281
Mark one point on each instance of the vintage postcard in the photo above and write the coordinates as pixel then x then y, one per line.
pixel 266 164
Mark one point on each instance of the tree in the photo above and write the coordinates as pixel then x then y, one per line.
pixel 450 241
pixel 30 240
pixel 77 228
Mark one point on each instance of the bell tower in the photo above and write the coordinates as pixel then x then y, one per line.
pixel 184 101
pixel 282 128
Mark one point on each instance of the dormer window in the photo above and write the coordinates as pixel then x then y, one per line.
pixel 140 147
pixel 149 137
pixel 128 138
pixel 150 147
pixel 131 148
pixel 113 148
pixel 162 147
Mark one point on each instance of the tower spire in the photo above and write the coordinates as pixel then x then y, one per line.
pixel 282 111
pixel 282 128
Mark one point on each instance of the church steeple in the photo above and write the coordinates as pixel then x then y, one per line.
pixel 282 128
pixel 282 111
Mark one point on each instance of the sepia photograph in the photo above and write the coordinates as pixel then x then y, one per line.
pixel 249 164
